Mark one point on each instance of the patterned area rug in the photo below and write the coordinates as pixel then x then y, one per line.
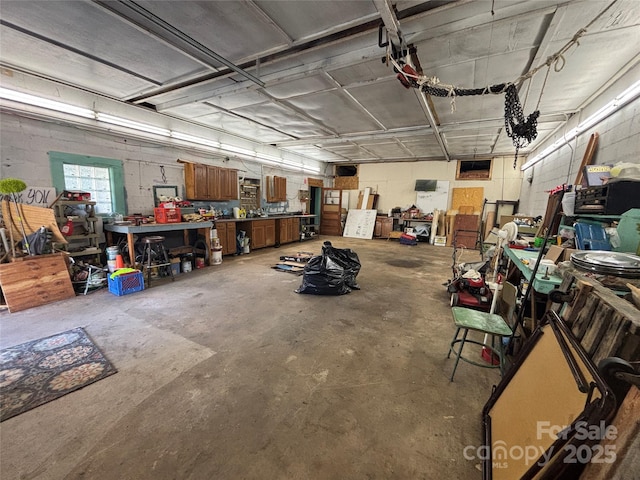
pixel 36 372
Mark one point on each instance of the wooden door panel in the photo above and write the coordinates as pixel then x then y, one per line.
pixel 330 217
pixel 269 233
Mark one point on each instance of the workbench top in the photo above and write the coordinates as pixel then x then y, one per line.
pixel 273 217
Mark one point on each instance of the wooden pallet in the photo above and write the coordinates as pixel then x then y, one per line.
pixel 605 324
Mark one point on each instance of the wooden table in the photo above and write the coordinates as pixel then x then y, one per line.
pixel 149 229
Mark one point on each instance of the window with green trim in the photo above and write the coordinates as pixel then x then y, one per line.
pixel 102 177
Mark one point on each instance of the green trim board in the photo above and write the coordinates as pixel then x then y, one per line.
pixel 116 169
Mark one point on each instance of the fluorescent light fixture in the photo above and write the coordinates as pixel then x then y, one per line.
pixel 292 164
pixel 241 151
pixel 46 103
pixel 614 105
pixel 629 94
pixel 193 139
pixel 311 169
pixel 270 158
pixel 36 101
pixel 268 162
pixel 123 122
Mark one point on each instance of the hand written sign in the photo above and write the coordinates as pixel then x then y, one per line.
pixel 38 196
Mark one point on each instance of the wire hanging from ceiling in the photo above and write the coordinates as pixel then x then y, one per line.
pixel 521 130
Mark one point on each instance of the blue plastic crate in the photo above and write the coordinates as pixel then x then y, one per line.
pixel 125 284
pixel 591 236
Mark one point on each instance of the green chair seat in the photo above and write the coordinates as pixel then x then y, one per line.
pixel 491 324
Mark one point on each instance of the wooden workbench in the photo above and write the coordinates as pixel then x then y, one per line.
pixel 149 229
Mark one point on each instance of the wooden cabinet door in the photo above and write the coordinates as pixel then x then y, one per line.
pixel 294 229
pixel 196 180
pixel 230 241
pixel 228 184
pixel 276 189
pixel 269 233
pixel 282 231
pixel 221 228
pixel 258 239
pixel 212 182
pixel 206 182
pixel 190 181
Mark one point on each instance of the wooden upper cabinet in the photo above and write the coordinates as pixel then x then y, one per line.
pixel 206 182
pixel 276 189
pixel 195 180
pixel 228 184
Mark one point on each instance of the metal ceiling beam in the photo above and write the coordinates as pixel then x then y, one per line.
pixel 301 71
pixel 385 9
pixel 388 135
pixel 78 52
pixel 434 125
pixel 393 28
pixel 331 36
pixel 132 12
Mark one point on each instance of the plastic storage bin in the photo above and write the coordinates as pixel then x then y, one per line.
pixel 167 215
pixel 125 284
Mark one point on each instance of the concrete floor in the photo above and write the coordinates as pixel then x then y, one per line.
pixel 229 374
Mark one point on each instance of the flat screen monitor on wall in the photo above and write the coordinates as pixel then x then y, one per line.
pixel 426 185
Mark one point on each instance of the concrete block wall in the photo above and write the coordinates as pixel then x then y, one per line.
pixel 25 143
pixel 619 141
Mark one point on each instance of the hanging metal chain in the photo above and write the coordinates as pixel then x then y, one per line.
pixel 164 175
pixel 521 131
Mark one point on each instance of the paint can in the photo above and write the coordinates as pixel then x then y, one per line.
pixel 112 252
pixel 199 262
pixel 216 255
pixel 186 264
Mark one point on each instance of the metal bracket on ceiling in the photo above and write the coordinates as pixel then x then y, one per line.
pixel 390 21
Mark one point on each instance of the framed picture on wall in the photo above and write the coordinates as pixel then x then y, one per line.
pixel 162 191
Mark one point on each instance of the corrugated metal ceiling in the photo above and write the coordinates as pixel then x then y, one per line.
pixel 327 94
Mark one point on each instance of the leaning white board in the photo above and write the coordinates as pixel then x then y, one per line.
pixel 360 223
pixel 427 202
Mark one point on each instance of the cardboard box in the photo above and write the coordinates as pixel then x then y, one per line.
pixel 554 253
pixel 567 254
pixel 559 254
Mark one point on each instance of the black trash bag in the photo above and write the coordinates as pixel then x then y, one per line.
pixel 347 259
pixel 323 276
pixel 332 273
pixel 39 242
